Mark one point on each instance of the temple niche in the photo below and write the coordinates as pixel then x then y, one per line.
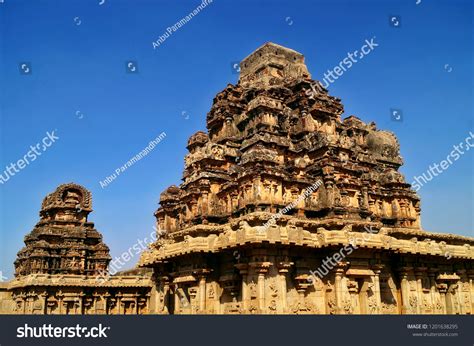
pixel 278 185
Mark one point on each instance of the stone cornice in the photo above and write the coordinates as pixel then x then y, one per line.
pixel 41 280
pixel 296 236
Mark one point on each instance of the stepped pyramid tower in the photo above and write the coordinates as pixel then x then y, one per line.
pixel 285 208
pixel 64 241
pixel 63 267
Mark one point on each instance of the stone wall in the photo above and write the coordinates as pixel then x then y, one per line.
pixel 275 281
pixel 6 301
pixel 78 295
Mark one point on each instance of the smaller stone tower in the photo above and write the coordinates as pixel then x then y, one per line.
pixel 64 241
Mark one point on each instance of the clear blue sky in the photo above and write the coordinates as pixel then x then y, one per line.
pixel 77 51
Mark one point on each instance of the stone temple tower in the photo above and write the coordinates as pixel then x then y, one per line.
pixel 64 241
pixel 285 208
pixel 63 267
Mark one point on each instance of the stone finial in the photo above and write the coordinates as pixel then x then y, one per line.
pixel 68 196
pixel 271 64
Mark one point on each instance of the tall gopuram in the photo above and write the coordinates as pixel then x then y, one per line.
pixel 60 270
pixel 285 208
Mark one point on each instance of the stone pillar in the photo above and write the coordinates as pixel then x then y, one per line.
pixel 177 301
pixel 464 297
pixel 283 268
pixel 443 289
pixel 107 302
pixel 119 303
pixel 419 273
pixel 191 306
pixel 95 301
pixel 81 302
pixel 243 270
pixel 44 297
pixel 148 302
pixel 338 274
pixel 452 298
pixel 377 269
pixel 23 304
pixel 261 290
pixel 165 284
pixel 60 302
pixel 202 274
pixel 27 303
pixel 64 303
pixel 202 293
pixel 405 290
pixel 433 293
pixel 470 276
pixel 261 268
pixel 363 296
